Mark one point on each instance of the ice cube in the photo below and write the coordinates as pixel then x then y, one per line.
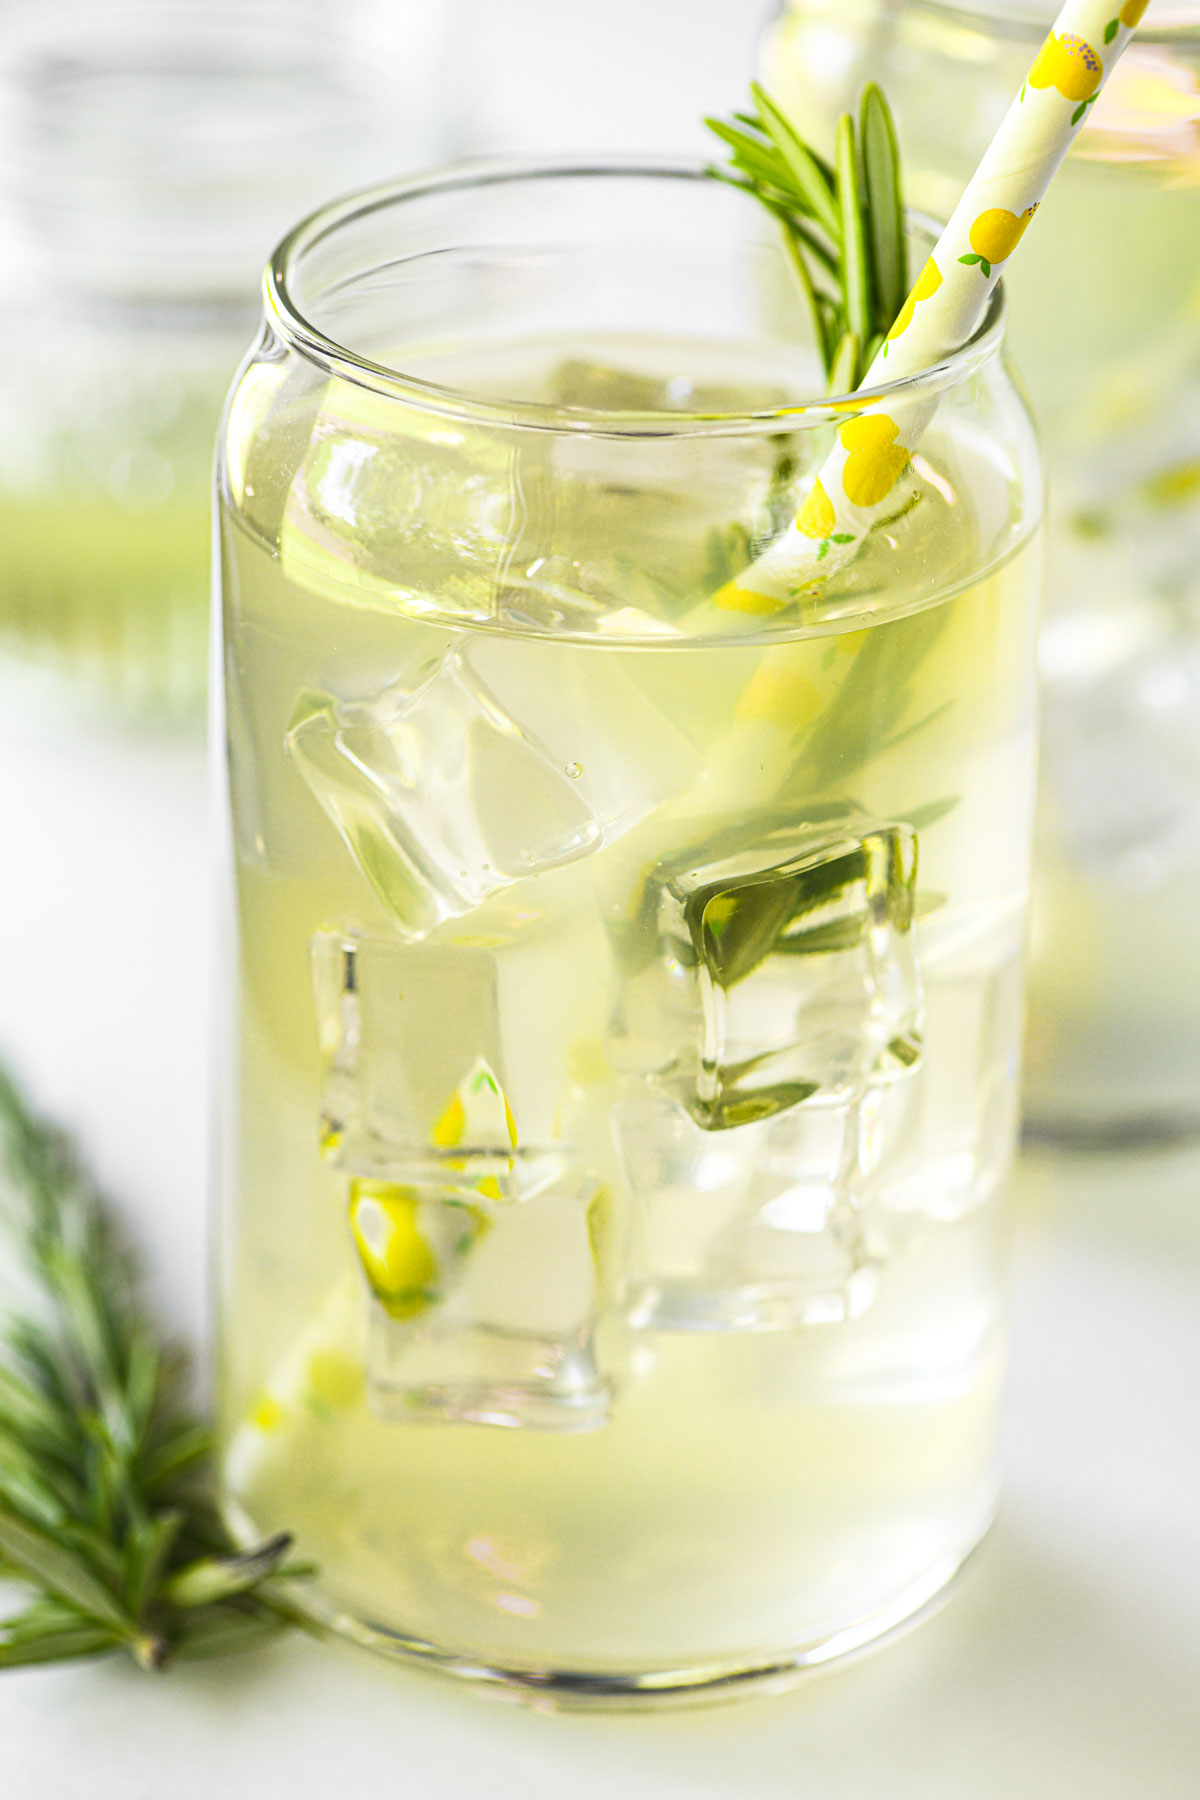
pixel 489 767
pixel 769 977
pixel 449 1064
pixel 396 508
pixel 760 1229
pixel 492 1314
pixel 604 387
pixel 639 527
pixel 441 798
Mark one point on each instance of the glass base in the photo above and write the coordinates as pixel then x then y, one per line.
pixel 549 1689
pixel 1085 1133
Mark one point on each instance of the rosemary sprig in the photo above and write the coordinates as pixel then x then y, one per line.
pixel 107 1517
pixel 842 222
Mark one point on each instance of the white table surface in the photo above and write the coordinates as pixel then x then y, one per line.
pixel 1067 1665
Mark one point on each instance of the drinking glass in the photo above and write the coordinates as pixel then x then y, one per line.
pixel 621 1069
pixel 153 152
pixel 1105 306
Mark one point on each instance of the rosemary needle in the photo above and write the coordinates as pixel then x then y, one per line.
pixel 843 223
pixel 107 1517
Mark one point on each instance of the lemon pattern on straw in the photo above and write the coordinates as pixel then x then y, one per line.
pixel 874 458
pixel 409 1249
pixel 1067 63
pixel 411 1241
pixel 928 283
pixel 995 234
pixel 944 307
pixel 1129 16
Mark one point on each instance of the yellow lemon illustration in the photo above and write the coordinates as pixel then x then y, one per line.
pixel 779 693
pixel 816 518
pixel 873 458
pixel 997 232
pixel 397 1261
pixel 733 597
pixel 1131 12
pixel 928 283
pixel 267 1414
pixel 335 1381
pixel 1069 64
pixel 412 1244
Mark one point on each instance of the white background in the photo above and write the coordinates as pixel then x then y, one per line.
pixel 1066 1667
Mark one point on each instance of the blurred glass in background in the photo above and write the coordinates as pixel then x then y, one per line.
pixel 1105 325
pixel 151 154
pixel 277 108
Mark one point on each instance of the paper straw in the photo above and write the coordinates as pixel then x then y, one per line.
pixel 944 308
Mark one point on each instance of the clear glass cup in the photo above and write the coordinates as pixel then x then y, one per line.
pixel 621 1066
pixel 1105 325
pixel 153 152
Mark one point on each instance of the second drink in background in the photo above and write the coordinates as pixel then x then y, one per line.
pixel 1105 304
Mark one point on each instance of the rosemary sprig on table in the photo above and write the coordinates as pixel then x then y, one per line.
pixel 842 222
pixel 106 1513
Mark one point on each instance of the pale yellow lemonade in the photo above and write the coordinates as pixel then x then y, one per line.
pixel 629 1003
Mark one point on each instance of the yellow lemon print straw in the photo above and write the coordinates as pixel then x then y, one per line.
pixel 928 283
pixel 945 306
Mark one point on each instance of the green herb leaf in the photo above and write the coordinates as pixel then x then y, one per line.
pixel 751 156
pixel 740 928
pixel 180 1451
pixel 41 1644
pixel 216 1578
pixel 228 1631
pixel 843 369
pixel 58 1571
pixel 922 817
pixel 792 244
pixel 148 1556
pixel 25 1410
pixel 842 223
pixel 884 209
pixel 856 279
pixel 106 1510
pixel 812 178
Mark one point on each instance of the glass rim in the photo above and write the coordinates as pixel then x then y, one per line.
pixel 1027 25
pixel 290 322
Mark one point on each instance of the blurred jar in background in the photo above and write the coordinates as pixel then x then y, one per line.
pixel 1105 324
pixel 151 152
